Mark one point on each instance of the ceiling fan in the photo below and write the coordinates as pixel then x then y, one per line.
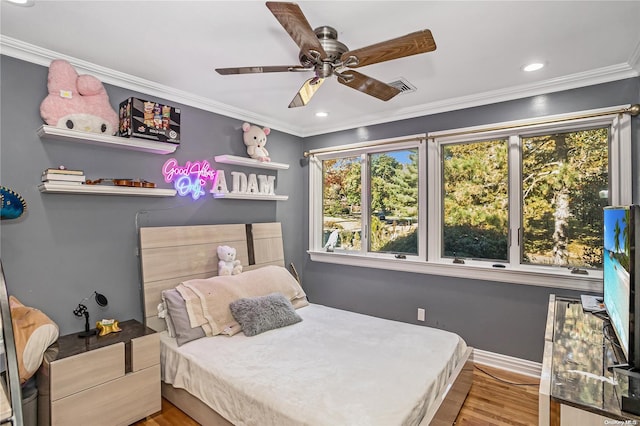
pixel 321 52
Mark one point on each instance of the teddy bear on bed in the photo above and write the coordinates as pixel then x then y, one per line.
pixel 255 139
pixel 227 262
pixel 78 102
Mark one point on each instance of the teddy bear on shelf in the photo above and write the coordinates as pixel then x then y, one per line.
pixel 77 102
pixel 227 262
pixel 255 139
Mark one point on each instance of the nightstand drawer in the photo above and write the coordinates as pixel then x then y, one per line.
pixel 145 351
pixel 74 374
pixel 118 402
pixel 101 380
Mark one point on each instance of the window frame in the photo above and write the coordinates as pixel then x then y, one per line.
pixel 430 180
pixel 316 182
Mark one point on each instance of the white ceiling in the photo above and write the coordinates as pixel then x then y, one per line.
pixel 170 49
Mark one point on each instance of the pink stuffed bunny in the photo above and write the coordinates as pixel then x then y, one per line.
pixel 77 102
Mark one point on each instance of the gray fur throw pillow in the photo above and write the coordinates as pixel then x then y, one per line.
pixel 262 313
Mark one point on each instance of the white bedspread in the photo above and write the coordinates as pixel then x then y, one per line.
pixel 333 368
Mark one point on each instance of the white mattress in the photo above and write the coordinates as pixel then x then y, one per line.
pixel 333 368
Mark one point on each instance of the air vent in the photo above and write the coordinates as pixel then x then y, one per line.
pixel 403 85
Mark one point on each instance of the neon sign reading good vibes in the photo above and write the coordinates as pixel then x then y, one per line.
pixel 190 178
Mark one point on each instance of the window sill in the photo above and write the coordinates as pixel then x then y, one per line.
pixel 537 276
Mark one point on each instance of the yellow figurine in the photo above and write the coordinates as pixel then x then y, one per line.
pixel 107 326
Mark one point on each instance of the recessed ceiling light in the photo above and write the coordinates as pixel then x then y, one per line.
pixel 322 114
pixel 533 67
pixel 25 3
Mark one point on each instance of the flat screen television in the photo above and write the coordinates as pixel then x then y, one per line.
pixel 621 297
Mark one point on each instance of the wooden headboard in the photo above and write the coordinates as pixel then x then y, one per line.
pixel 172 254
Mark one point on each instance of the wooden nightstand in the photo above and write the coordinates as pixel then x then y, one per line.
pixel 108 380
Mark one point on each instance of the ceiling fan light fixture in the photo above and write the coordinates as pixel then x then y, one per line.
pixel 534 66
pixel 321 52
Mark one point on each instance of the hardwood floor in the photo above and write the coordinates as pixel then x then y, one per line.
pixel 490 403
pixel 169 416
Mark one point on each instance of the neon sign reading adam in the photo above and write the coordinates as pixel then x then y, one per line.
pixel 191 178
pixel 194 176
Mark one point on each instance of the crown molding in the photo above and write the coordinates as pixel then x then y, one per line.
pixel 41 56
pixel 573 81
pixel 37 55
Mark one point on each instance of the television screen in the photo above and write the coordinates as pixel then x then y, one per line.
pixel 619 291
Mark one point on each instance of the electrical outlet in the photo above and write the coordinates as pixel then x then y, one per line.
pixel 421 314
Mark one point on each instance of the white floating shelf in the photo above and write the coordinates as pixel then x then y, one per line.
pixel 134 144
pixel 58 188
pixel 250 162
pixel 238 196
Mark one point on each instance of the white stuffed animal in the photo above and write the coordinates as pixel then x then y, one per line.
pixel 227 262
pixel 255 139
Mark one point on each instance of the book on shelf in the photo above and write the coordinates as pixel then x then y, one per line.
pixel 63 182
pixel 62 178
pixel 63 172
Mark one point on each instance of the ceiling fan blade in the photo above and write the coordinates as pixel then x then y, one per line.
pixel 305 93
pixel 410 44
pixel 367 85
pixel 253 70
pixel 295 23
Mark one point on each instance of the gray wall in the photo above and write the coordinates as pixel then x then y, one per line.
pixel 498 317
pixel 67 246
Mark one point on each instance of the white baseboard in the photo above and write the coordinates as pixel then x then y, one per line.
pixel 509 363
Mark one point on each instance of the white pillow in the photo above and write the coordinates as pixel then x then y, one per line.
pixel 163 313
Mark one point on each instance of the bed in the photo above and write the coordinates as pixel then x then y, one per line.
pixel 332 367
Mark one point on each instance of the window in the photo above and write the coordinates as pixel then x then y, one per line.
pixel 393 202
pixel 387 222
pixel 564 190
pixel 515 202
pixel 475 216
pixel 341 201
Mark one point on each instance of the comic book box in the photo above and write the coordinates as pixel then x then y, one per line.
pixel 149 120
